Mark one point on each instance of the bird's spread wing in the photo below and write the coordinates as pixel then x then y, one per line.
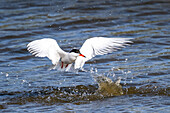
pixel 46 48
pixel 99 46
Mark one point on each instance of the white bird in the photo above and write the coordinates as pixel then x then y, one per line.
pixel 48 47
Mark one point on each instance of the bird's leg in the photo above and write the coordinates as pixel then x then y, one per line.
pixel 61 64
pixel 67 65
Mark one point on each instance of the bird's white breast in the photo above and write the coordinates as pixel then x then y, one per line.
pixel 69 58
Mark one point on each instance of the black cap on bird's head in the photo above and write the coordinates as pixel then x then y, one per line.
pixel 75 51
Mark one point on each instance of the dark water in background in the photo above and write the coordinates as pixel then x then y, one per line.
pixel 26 85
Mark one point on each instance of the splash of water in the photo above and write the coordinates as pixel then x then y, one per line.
pixel 107 87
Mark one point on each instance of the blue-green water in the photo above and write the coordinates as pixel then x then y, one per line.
pixel 26 84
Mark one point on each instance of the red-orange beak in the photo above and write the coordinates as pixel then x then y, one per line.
pixel 81 55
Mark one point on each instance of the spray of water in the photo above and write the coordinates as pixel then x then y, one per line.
pixel 107 87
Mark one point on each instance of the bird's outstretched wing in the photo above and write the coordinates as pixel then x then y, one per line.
pixel 99 46
pixel 46 48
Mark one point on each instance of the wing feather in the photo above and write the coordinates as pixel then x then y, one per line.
pixel 46 48
pixel 99 46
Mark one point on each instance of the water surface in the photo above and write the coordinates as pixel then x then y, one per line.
pixel 26 84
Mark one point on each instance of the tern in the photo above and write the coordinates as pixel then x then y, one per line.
pixel 49 48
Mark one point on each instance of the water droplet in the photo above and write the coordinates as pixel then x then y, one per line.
pixel 7 74
pixel 113 75
pixel 96 70
pixel 129 72
pixel 49 98
pixel 23 81
pixel 91 70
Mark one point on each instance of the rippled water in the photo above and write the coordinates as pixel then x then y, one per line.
pixel 26 84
